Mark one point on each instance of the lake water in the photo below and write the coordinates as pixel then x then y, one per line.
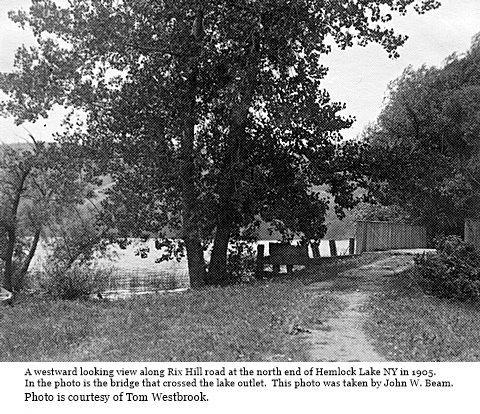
pixel 130 267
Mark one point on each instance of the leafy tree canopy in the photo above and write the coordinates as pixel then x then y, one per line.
pixel 426 142
pixel 208 114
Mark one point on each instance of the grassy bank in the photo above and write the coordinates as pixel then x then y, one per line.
pixel 244 322
pixel 408 325
pixel 260 321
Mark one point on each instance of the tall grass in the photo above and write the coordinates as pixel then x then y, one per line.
pixel 409 325
pixel 216 324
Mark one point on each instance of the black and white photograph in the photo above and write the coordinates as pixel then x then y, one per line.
pixel 240 181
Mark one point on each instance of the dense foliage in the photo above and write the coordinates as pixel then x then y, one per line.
pixel 426 143
pixel 208 115
pixel 379 212
pixel 76 282
pixel 41 185
pixel 453 272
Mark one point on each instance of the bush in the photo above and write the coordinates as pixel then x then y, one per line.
pixel 77 282
pixel 453 272
pixel 241 261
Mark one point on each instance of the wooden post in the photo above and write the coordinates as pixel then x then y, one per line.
pixel 275 267
pixel 361 236
pixel 315 249
pixel 351 246
pixel 333 248
pixel 260 256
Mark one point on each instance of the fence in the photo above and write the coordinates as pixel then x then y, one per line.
pixel 384 235
pixel 472 232
pixel 290 255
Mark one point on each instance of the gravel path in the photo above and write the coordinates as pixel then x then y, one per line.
pixel 341 337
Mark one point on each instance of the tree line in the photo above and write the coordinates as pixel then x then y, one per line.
pixel 424 147
pixel 210 117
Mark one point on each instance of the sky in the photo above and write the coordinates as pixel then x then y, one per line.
pixel 358 76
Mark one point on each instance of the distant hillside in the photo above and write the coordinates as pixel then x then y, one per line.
pixel 17 146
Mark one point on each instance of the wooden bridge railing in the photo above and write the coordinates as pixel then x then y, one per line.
pixel 289 255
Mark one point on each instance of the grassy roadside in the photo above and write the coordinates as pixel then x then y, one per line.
pixel 265 320
pixel 408 325
pixel 236 323
pixel 215 324
pixel 259 321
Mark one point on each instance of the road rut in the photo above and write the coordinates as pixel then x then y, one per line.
pixel 341 337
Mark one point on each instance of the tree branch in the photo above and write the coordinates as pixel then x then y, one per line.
pixel 20 275
pixel 152 49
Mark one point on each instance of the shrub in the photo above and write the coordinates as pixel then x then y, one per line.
pixel 77 282
pixel 241 261
pixel 453 272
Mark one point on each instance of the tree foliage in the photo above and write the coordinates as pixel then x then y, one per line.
pixel 452 272
pixel 425 145
pixel 40 185
pixel 209 115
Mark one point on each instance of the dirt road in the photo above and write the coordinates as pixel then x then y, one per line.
pixel 341 337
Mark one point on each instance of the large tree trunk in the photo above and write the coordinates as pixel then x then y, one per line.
pixel 217 272
pixel 196 262
pixel 191 230
pixel 191 233
pixel 229 184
